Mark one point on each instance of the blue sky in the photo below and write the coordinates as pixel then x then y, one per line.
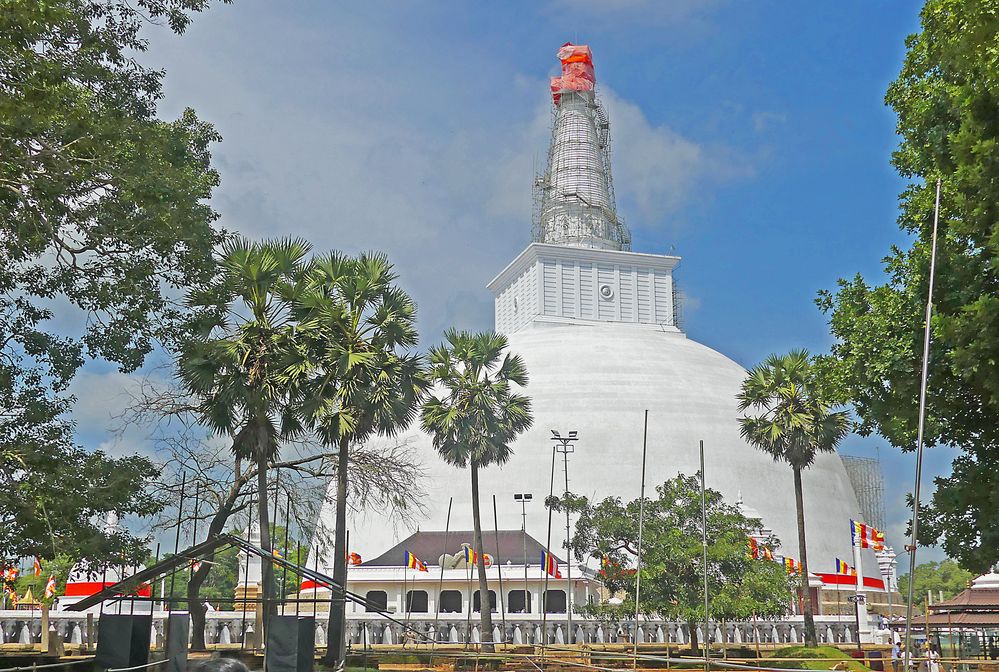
pixel 749 138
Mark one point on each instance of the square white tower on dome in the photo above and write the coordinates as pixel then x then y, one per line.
pixel 555 284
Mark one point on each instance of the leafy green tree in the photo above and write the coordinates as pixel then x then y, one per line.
pixel 475 416
pixel 234 367
pixel 794 423
pixel 947 576
pixel 102 210
pixel 355 376
pixel 672 580
pixel 946 100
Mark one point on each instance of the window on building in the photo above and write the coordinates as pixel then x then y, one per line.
pixel 518 602
pixel 376 600
pixel 555 601
pixel 450 601
pixel 477 604
pixel 417 602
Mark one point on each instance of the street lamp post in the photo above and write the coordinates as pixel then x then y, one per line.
pixel 564 446
pixel 524 498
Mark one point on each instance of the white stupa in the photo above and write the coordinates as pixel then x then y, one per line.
pixel 596 325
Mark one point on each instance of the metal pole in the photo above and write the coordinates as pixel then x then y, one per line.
pixel 922 419
pixel 568 553
pixel 499 569
pixel 523 528
pixel 704 547
pixel 641 525
pixel 548 548
pixel 246 571
pixel 440 587
pixel 194 534
pixel 176 540
pixel 284 568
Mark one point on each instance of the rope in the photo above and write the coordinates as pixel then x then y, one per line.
pixel 49 665
pixel 137 667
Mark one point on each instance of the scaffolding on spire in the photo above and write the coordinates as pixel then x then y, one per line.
pixel 574 198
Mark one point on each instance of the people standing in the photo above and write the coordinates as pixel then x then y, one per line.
pixel 933 659
pixel 896 657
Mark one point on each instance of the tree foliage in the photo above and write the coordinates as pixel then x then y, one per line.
pixel 356 375
pixel 947 101
pixel 793 424
pixel 103 213
pixel 475 415
pixel 936 577
pixel 234 365
pixel 672 580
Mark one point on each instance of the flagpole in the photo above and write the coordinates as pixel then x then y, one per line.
pixel 641 523
pixel 440 587
pixel 860 610
pixel 499 570
pixel 922 420
pixel 548 550
pixel 704 546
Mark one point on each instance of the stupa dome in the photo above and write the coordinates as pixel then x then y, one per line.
pixel 597 327
pixel 598 379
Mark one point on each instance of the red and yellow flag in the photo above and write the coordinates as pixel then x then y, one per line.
pixel 550 564
pixel 413 562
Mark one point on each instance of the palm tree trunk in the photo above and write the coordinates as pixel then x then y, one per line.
pixel 266 566
pixel 336 642
pixel 806 593
pixel 485 605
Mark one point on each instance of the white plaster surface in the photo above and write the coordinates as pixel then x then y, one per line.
pixel 598 379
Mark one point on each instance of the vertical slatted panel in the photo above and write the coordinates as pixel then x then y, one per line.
pixel 626 293
pixel 586 292
pixel 569 289
pixel 550 306
pixel 644 296
pixel 664 297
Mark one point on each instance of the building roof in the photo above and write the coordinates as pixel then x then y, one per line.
pixel 960 619
pixel 972 599
pixel 429 546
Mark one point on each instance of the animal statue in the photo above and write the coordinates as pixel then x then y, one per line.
pixel 457 560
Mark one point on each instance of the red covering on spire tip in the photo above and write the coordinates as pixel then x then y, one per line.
pixel 577 70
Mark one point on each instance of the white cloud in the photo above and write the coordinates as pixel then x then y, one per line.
pixel 657 170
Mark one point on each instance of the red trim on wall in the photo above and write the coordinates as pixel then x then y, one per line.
pixel 850 581
pixel 88 588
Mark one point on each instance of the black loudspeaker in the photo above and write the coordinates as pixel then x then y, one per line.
pixel 306 643
pixel 177 641
pixel 291 644
pixel 122 640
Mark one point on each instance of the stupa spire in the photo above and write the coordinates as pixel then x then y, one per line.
pixel 575 195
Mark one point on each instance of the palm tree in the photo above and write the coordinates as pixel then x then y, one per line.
pixel 234 366
pixel 794 424
pixel 358 378
pixel 475 418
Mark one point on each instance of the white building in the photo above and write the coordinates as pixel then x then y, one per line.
pixel 597 326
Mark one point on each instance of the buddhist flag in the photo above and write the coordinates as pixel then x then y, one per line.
pixel 10 574
pixel 550 564
pixel 792 566
pixel 50 587
pixel 12 594
pixel 353 559
pixel 759 552
pixel 471 557
pixel 413 562
pixel 38 566
pixel 843 568
pixel 865 536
